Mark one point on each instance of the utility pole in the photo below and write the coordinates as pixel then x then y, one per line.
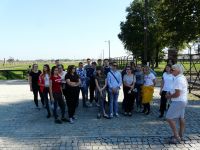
pixel 108 47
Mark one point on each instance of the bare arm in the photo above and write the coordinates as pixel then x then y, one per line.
pixel 50 89
pixel 30 82
pixel 175 95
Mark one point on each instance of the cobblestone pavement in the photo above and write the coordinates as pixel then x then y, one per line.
pixel 24 127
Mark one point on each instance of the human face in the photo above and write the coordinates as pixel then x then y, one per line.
pixel 35 67
pixel 60 69
pixel 88 61
pixel 56 71
pixel 81 65
pixel 73 69
pixel 114 66
pixel 167 69
pixel 106 63
pixel 139 68
pixel 98 71
pixel 45 68
pixel 128 70
pixel 175 72
pixel 146 70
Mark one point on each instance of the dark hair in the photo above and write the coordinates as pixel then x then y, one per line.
pixel 99 68
pixel 61 65
pixel 99 60
pixel 88 59
pixel 53 69
pixel 105 59
pixel 69 69
pixel 94 63
pixel 168 65
pixel 80 63
pixel 48 69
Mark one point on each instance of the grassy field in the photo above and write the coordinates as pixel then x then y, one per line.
pixel 25 65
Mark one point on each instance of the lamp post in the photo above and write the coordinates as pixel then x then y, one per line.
pixel 108 47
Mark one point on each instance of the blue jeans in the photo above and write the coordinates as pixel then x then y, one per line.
pixel 113 103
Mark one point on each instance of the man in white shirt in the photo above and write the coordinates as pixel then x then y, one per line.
pixel 114 80
pixel 178 96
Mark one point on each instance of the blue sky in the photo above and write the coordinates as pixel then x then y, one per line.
pixel 50 29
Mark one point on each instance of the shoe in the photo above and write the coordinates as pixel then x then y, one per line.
pixel 111 116
pixel 71 121
pixel 74 118
pixel 143 111
pixel 117 115
pixel 64 119
pixel 90 105
pixel 49 115
pixel 58 121
pixel 147 113
pixel 98 116
pixel 174 140
pixel 97 105
pixel 106 116
pixel 130 114
pixel 125 113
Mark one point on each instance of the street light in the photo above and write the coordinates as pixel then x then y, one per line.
pixel 108 47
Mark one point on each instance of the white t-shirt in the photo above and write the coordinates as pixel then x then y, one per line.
pixel 180 83
pixel 168 79
pixel 46 80
pixel 148 79
pixel 63 76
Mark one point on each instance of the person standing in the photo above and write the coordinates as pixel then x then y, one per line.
pixel 72 87
pixel 44 86
pixel 83 87
pixel 139 75
pixel 114 80
pixel 88 69
pixel 101 84
pixel 178 96
pixel 62 74
pixel 166 87
pixel 148 89
pixel 91 75
pixel 33 82
pixel 56 94
pixel 129 97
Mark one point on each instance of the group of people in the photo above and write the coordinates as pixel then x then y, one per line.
pixel 100 82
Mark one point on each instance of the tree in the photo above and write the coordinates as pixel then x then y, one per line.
pixel 132 31
pixel 180 21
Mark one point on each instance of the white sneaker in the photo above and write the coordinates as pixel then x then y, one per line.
pixel 71 121
pixel 117 115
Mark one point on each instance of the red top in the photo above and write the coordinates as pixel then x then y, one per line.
pixel 56 84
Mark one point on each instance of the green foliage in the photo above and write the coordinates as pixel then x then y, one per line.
pixel 180 21
pixel 171 23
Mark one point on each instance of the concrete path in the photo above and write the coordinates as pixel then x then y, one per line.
pixel 24 127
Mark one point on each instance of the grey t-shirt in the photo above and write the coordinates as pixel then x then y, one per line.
pixel 139 77
pixel 129 79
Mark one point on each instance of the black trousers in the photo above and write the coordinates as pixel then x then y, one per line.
pixel 146 107
pixel 72 98
pixel 58 100
pixel 92 90
pixel 36 90
pixel 129 99
pixel 163 102
pixel 46 99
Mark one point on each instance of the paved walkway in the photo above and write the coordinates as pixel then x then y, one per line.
pixel 24 127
